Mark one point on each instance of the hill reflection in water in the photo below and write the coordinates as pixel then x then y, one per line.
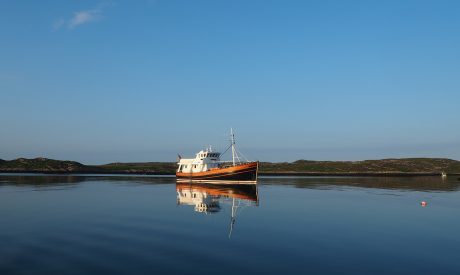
pixel 431 183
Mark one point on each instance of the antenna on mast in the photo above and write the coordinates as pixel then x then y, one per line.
pixel 232 140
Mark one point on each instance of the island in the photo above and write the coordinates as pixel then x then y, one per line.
pixel 382 167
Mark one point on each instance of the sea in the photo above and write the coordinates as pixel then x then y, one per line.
pixel 111 224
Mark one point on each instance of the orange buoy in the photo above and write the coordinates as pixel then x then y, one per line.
pixel 423 203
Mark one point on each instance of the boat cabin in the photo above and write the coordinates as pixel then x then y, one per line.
pixel 204 160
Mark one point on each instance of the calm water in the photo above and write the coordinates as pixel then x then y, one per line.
pixel 150 225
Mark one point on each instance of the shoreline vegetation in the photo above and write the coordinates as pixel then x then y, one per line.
pixel 383 167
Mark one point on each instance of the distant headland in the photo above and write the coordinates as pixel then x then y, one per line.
pixel 383 167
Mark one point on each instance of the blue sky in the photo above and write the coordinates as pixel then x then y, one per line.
pixel 104 81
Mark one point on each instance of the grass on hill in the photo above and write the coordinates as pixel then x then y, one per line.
pixel 41 165
pixel 141 167
pixel 407 165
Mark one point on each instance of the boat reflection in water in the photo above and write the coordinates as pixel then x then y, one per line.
pixel 210 198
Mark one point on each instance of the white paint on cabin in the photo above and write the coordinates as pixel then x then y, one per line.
pixel 204 160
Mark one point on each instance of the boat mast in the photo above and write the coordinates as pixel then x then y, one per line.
pixel 232 140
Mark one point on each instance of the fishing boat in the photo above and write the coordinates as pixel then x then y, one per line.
pixel 208 167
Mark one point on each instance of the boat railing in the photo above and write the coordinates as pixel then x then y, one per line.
pixel 225 164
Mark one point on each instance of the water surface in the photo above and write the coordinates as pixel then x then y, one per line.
pixel 150 225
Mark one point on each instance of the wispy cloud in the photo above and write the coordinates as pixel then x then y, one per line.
pixel 83 17
pixel 79 18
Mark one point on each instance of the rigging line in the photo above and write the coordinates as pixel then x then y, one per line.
pixel 237 154
pixel 243 155
pixel 226 150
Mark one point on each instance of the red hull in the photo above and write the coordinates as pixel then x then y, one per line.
pixel 246 172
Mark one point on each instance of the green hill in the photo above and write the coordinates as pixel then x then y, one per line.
pixel 384 166
pixel 406 165
pixel 140 167
pixel 41 165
